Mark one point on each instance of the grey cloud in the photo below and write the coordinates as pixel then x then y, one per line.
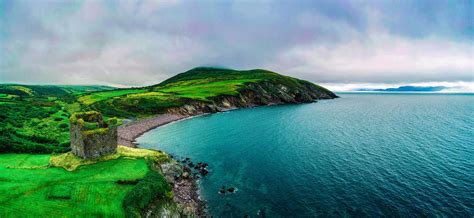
pixel 144 42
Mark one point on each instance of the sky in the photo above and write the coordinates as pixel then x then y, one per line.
pixel 340 44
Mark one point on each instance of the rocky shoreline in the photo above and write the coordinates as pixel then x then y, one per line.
pixel 185 189
pixel 184 183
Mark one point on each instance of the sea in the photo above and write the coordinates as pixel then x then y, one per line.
pixel 360 155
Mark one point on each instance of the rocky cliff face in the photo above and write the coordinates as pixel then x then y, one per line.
pixel 257 94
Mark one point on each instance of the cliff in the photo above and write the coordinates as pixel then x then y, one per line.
pixel 255 94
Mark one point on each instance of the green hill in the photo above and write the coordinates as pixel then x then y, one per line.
pixel 207 90
pixel 48 90
pixel 34 118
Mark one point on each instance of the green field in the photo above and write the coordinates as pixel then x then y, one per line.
pixel 100 96
pixel 31 187
pixel 203 90
pixel 49 90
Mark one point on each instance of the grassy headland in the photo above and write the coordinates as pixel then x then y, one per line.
pixel 212 87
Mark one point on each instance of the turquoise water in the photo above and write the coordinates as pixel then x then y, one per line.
pixel 359 155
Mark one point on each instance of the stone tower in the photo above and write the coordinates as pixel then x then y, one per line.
pixel 91 136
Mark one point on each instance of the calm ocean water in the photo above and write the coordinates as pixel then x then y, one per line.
pixel 359 155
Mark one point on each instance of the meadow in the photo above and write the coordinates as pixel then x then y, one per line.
pixel 100 96
pixel 32 187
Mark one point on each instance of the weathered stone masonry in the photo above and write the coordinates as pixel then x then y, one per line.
pixel 91 136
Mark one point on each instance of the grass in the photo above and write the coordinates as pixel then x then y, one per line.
pixel 52 192
pixel 24 89
pixel 71 162
pixel 49 90
pixel 32 187
pixel 50 125
pixel 77 90
pixel 100 96
pixel 6 96
pixel 33 125
pixel 203 90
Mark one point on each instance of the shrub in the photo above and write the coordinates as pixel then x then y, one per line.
pixel 154 185
pixel 42 139
pixel 127 182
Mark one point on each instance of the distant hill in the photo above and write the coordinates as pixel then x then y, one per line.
pixel 48 90
pixel 408 89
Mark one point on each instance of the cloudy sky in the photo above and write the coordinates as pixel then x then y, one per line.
pixel 337 43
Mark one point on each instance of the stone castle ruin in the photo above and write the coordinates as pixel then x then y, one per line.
pixel 91 136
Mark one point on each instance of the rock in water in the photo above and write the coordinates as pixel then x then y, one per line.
pixel 222 191
pixel 203 172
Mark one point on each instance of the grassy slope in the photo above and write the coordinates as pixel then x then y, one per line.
pixel 44 192
pixel 49 90
pixel 100 96
pixel 30 188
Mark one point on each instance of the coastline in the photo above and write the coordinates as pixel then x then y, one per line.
pixel 185 188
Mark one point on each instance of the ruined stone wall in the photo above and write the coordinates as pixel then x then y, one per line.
pixel 77 143
pixel 91 137
pixel 100 143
